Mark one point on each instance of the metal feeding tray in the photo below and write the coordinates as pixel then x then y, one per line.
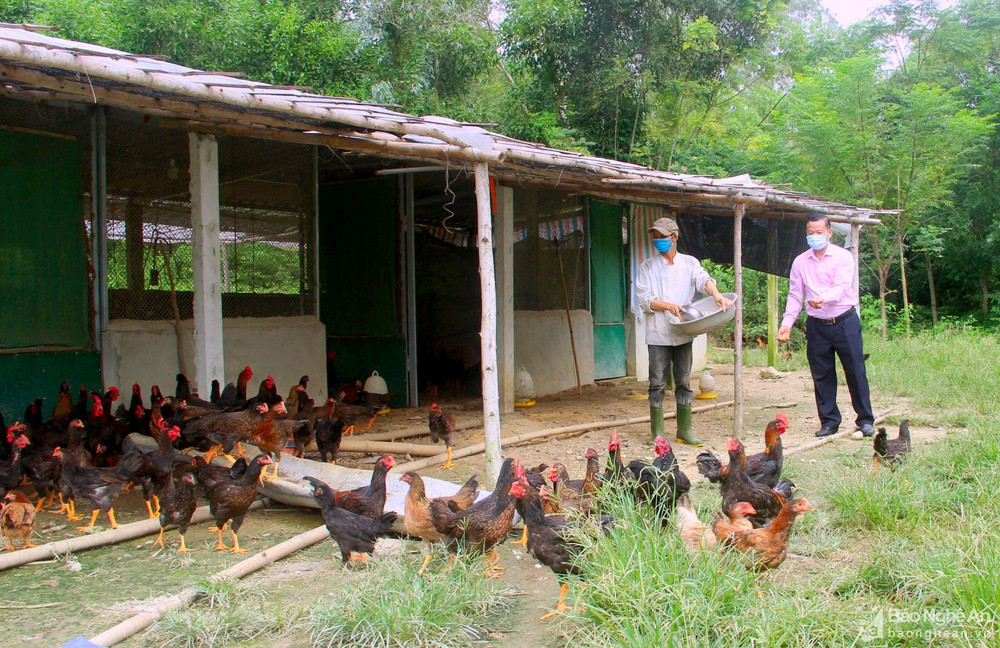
pixel 711 316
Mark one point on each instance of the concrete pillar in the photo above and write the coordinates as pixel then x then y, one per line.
pixel 504 231
pixel 208 356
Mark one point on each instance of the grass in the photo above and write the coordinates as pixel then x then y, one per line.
pixel 904 558
pixel 391 605
pixel 227 614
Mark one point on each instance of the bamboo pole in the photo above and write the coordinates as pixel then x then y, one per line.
pixel 738 212
pixel 256 562
pixel 123 533
pixel 772 320
pixel 488 332
pixel 384 447
pixel 412 432
pixel 856 255
pixel 539 434
pixel 569 318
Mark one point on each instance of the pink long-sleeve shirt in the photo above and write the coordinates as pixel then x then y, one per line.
pixel 830 278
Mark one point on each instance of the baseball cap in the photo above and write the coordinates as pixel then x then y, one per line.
pixel 664 226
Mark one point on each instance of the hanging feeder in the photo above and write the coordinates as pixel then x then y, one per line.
pixel 524 389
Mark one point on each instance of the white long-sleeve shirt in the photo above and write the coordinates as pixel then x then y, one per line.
pixel 676 283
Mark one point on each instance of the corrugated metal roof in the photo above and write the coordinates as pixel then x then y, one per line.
pixel 37 65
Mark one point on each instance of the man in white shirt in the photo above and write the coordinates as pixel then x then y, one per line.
pixel 667 282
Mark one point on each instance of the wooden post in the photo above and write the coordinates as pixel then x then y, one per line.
pixel 739 211
pixel 488 332
pixel 856 253
pixel 772 294
pixel 505 296
pixel 569 317
pixel 410 272
pixel 208 357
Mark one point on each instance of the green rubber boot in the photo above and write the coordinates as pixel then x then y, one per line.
pixel 655 422
pixel 684 434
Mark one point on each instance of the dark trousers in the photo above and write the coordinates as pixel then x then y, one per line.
pixel 843 340
pixel 660 360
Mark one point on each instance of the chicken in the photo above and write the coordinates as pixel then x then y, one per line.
pixel 352 414
pixel 767 547
pixel 764 467
pixel 614 471
pixel 592 479
pixel 64 410
pixel 736 486
pixel 155 468
pixel 183 393
pixel 209 475
pixel 17 519
pixel 568 496
pixel 222 433
pixel 266 394
pixel 355 534
pixel 442 425
pixel 737 519
pixel 417 510
pixel 230 499
pixel 661 482
pixel 235 396
pixel 43 468
pixel 12 470
pixel 328 436
pixel 550 539
pixel 485 524
pixel 369 500
pixel 297 395
pixel 99 485
pixel 272 434
pixel 698 536
pixel 178 503
pixel 892 451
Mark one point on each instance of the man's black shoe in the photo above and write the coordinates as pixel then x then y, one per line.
pixel 868 430
pixel 826 431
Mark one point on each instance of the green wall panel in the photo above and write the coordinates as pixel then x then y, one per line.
pixel 607 272
pixel 44 286
pixel 609 351
pixel 30 375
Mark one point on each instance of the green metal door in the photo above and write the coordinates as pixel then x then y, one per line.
pixel 360 287
pixel 607 272
pixel 45 333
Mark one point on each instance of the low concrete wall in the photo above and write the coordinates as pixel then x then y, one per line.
pixel 284 347
pixel 542 346
pixel 638 357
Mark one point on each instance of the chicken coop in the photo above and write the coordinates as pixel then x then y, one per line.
pixel 159 218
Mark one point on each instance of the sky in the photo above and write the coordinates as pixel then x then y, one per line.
pixel 848 12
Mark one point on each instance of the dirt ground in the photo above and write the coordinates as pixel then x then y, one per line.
pixel 87 593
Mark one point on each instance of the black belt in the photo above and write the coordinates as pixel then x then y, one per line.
pixel 830 321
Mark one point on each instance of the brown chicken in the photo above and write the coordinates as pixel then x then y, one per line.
pixel 568 496
pixel 417 510
pixel 485 524
pixel 272 435
pixel 12 469
pixel 222 433
pixel 736 486
pixel 65 409
pixel 17 519
pixel 230 499
pixel 767 547
pixel 209 475
pixel 697 535
pixel 442 425
pixel 369 500
pixel 352 415
pixel 737 519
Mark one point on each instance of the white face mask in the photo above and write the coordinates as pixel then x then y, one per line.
pixel 817 241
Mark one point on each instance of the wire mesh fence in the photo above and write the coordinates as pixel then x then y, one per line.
pixel 266 205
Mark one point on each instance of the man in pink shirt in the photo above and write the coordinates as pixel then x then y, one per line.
pixel 823 275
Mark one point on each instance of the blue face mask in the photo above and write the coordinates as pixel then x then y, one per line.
pixel 817 241
pixel 663 245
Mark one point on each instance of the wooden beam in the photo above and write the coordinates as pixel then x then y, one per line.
pixel 738 212
pixel 505 296
pixel 488 332
pixel 856 255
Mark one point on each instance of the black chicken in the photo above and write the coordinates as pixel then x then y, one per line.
pixel 177 505
pixel 99 485
pixel 661 482
pixel 892 451
pixel 442 425
pixel 355 534
pixel 12 470
pixel 209 474
pixel 736 486
pixel 230 499
pixel 369 500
